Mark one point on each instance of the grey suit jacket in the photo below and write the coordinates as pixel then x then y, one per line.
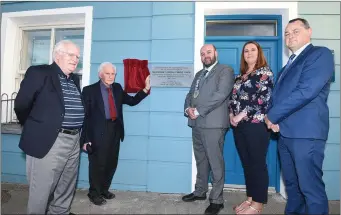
pixel 213 100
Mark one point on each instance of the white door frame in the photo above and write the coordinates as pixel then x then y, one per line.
pixel 288 10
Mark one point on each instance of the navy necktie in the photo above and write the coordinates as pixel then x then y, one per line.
pixel 291 58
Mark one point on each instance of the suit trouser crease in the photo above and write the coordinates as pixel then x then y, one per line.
pixel 208 147
pixel 301 161
pixel 52 179
pixel 252 141
pixel 103 162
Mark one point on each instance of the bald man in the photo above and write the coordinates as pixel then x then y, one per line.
pixel 206 107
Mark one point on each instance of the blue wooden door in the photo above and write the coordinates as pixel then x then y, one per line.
pixel 229 53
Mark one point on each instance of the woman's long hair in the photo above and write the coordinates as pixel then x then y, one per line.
pixel 261 61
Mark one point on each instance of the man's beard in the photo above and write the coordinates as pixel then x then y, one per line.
pixel 214 59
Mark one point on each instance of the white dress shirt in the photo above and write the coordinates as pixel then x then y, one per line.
pixel 298 52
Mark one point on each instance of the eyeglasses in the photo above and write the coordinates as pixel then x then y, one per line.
pixel 71 55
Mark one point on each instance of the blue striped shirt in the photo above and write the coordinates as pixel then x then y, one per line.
pixel 74 110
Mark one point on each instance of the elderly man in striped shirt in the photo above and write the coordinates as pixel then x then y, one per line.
pixel 50 109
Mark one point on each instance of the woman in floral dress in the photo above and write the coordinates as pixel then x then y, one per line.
pixel 249 101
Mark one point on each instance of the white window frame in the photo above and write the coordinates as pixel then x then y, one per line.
pixel 21 72
pixel 12 25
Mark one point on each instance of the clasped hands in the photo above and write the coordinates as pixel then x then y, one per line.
pixel 273 127
pixel 234 120
pixel 191 113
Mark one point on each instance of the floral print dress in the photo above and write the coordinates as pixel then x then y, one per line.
pixel 252 95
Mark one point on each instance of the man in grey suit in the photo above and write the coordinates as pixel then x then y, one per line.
pixel 206 107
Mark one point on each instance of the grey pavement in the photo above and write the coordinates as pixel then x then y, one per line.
pixel 14 200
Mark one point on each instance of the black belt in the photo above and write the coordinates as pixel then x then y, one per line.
pixel 69 131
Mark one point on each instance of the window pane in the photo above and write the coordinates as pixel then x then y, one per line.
pixel 76 35
pixel 35 48
pixel 241 28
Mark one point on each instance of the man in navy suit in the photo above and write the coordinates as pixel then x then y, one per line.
pixel 104 128
pixel 300 113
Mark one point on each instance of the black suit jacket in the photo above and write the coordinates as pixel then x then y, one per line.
pixel 39 107
pixel 95 119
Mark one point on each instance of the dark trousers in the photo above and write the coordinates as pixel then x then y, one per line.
pixel 301 162
pixel 252 141
pixel 103 161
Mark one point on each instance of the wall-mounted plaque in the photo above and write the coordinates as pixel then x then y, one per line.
pixel 171 76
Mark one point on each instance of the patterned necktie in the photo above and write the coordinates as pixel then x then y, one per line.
pixel 291 58
pixel 112 108
pixel 203 77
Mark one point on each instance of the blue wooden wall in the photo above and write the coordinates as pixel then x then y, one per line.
pixel 156 153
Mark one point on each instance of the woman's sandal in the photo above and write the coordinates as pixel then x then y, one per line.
pixel 256 211
pixel 242 206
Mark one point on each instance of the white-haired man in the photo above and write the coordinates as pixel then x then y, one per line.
pixel 50 109
pixel 104 128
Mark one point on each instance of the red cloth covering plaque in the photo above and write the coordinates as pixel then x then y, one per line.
pixel 135 73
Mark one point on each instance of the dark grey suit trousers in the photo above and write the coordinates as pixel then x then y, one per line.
pixel 208 144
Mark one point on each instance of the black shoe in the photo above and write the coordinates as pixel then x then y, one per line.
pixel 71 213
pixel 214 208
pixel 191 198
pixel 97 200
pixel 108 195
